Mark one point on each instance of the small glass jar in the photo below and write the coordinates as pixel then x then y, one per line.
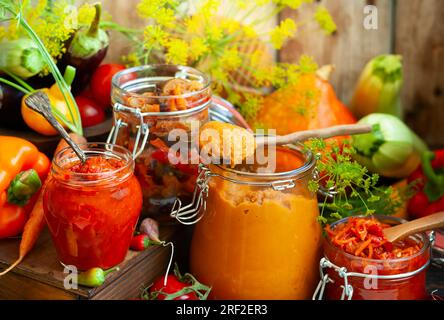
pixel 258 236
pixel 143 123
pixel 357 278
pixel 92 216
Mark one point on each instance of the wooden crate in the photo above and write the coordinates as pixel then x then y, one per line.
pixel 40 275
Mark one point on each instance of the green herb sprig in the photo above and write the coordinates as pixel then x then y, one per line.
pixel 353 190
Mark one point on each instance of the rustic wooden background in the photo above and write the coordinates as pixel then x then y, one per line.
pixel 412 28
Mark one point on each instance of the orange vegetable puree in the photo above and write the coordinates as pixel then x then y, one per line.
pixel 258 243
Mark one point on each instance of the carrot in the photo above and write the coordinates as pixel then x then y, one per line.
pixel 36 221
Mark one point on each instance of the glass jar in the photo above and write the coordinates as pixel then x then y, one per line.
pixel 357 278
pixel 92 216
pixel 147 133
pixel 257 236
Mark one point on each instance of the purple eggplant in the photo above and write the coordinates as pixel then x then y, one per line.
pixel 10 107
pixel 86 51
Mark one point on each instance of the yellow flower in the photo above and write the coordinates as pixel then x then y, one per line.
pixel 161 11
pixel 86 14
pixel 209 7
pixel 251 106
pixel 213 32
pixel 219 77
pixel 325 21
pixel 154 36
pixel 230 59
pixel 177 52
pixel 307 64
pixel 256 58
pixel 261 3
pixel 249 32
pixel 197 48
pixel 165 17
pixel 229 25
pixel 241 4
pixel 293 4
pixel 131 60
pixel 281 33
pixel 194 24
pixel 262 76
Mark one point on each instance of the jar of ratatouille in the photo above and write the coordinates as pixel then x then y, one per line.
pixel 157 108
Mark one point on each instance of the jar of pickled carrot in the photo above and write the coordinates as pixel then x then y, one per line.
pixel 257 236
pixel 360 264
pixel 92 208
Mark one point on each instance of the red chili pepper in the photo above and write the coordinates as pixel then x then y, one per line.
pixel 430 184
pixel 140 242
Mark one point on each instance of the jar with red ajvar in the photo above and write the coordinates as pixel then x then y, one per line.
pixel 372 269
pixel 92 208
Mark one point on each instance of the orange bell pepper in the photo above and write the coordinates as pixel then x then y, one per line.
pixel 16 156
pixel 67 114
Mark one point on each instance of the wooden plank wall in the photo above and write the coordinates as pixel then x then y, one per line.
pixel 413 28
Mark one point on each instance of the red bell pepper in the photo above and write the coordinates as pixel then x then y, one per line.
pixel 429 178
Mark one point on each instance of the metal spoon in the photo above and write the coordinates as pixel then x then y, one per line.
pixel 39 102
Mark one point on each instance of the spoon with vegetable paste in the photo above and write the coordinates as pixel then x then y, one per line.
pixel 230 142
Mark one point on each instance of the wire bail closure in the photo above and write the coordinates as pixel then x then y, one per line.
pixel 142 134
pixel 192 213
pixel 347 288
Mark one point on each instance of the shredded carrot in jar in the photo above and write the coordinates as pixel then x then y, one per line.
pixel 364 237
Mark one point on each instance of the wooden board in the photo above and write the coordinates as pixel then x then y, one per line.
pixel 420 40
pixel 40 275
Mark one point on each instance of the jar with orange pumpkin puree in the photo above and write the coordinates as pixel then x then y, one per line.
pixel 259 237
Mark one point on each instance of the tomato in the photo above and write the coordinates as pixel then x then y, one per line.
pixel 90 112
pixel 173 285
pixel 12 220
pixel 101 82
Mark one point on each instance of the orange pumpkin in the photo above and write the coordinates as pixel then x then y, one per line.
pixel 311 103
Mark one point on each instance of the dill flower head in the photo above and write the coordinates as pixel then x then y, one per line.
pixel 53 21
pixel 228 41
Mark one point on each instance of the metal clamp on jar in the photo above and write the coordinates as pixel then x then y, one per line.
pixel 257 234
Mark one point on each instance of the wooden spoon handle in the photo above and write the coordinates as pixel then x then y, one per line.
pixel 431 222
pixel 341 130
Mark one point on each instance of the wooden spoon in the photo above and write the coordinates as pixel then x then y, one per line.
pixel 400 231
pixel 228 141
